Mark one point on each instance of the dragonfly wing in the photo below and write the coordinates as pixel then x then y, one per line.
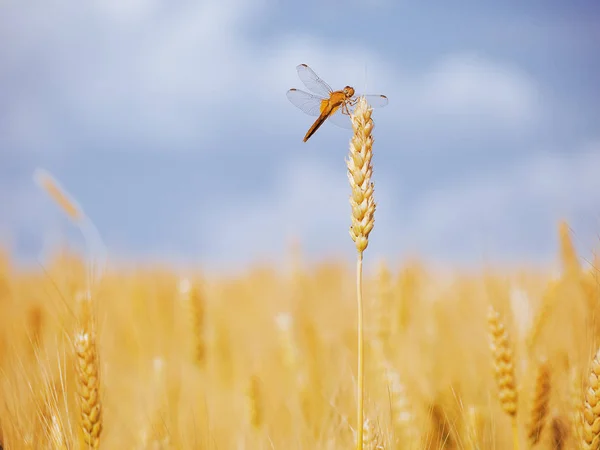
pixel 339 118
pixel 309 103
pixel 374 101
pixel 377 101
pixel 312 81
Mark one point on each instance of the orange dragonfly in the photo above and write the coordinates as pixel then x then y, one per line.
pixel 327 104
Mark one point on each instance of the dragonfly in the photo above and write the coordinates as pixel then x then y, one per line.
pixel 325 103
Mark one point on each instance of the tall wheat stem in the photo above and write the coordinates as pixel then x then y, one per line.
pixel 361 352
pixel 362 219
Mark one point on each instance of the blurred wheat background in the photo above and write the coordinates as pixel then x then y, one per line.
pixel 266 358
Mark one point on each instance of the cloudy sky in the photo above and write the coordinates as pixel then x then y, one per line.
pixel 168 121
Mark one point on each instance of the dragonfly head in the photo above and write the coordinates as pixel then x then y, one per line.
pixel 348 91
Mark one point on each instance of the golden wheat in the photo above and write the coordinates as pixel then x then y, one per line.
pixel 473 425
pixel 360 170
pixel 429 391
pixel 254 402
pixel 196 311
pixel 371 436
pixel 403 417
pixel 575 394
pixel 363 206
pixel 539 403
pixel 504 368
pixel 590 429
pixel 88 375
pixel 289 351
pixel 560 432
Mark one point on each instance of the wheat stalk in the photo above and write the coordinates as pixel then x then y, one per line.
pixel 504 369
pixel 362 219
pixel 539 404
pixel 590 429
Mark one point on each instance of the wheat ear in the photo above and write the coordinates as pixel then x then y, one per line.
pixel 372 439
pixel 590 429
pixel 196 309
pixel 284 322
pixel 97 250
pixel 88 376
pixel 403 418
pixel 363 212
pixel 560 431
pixel 254 402
pixel 504 369
pixel 539 404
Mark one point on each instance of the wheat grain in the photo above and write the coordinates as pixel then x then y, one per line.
pixel 503 363
pixel 360 171
pixel 590 429
pixel 504 369
pixel 88 376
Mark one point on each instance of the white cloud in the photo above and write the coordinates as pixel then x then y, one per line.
pixel 143 74
pixel 469 85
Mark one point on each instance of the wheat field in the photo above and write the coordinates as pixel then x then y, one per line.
pixel 266 358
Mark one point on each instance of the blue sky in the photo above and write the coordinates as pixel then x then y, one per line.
pixel 169 123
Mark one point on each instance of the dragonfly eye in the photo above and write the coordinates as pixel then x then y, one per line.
pixel 349 91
